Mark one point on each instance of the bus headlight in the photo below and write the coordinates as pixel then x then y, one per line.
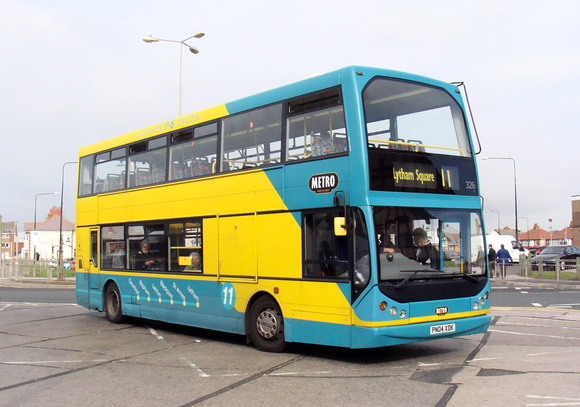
pixel 475 305
pixel 393 311
pixel 482 301
pixel 402 314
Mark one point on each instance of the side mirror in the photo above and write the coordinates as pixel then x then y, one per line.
pixel 340 226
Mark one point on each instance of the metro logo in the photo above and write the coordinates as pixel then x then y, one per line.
pixel 323 183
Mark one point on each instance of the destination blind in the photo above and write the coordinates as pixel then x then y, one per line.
pixel 433 174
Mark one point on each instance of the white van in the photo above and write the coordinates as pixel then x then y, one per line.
pixel 510 244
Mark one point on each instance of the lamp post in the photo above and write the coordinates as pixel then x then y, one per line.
pixel 60 222
pixel 151 39
pixel 35 202
pixel 498 222
pixel 515 189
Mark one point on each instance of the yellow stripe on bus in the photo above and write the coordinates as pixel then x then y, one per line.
pixel 418 320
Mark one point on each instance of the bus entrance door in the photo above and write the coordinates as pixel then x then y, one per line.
pixel 94 261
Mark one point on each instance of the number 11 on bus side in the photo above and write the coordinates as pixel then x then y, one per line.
pixel 342 210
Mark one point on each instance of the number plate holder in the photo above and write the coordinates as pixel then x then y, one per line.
pixel 442 329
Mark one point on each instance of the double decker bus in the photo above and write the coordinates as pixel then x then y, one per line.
pixel 341 210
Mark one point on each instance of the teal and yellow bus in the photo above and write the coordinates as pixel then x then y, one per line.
pixel 341 210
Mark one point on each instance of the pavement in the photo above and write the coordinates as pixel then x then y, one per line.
pixel 37 283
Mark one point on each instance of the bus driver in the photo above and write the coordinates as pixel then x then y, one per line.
pixel 427 254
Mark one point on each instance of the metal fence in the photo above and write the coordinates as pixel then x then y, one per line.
pixel 50 272
pixel 38 271
pixel 558 270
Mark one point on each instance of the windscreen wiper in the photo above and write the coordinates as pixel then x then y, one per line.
pixel 405 281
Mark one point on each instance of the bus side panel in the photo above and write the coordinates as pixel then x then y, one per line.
pixel 279 246
pixel 318 333
pixel 185 301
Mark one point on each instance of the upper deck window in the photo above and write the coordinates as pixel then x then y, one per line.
pixel 110 171
pixel 316 126
pixel 252 138
pixel 407 116
pixel 147 162
pixel 193 154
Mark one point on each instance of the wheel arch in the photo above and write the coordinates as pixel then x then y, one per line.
pixel 251 302
pixel 107 283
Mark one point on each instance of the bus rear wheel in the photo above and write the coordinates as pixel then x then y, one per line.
pixel 267 325
pixel 112 304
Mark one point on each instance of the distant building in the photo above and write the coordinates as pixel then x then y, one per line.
pixel 43 242
pixel 576 219
pixel 535 237
pixel 563 237
pixel 10 248
pixel 505 231
pixel 540 237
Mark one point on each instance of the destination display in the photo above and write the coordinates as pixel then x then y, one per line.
pixel 428 174
pixel 414 175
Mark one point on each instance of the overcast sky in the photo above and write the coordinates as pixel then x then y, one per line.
pixel 76 72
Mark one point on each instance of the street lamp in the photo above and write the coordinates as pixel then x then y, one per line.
pixel 498 222
pixel 151 39
pixel 35 202
pixel 61 215
pixel 515 189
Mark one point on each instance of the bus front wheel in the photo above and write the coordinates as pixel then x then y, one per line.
pixel 113 306
pixel 267 325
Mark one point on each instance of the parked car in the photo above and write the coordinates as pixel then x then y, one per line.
pixel 550 254
pixel 449 255
pixel 69 264
pixel 536 250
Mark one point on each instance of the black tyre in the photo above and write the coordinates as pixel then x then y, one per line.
pixel 112 304
pixel 266 325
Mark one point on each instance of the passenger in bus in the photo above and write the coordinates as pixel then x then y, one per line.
pixel 427 254
pixel 195 262
pixel 143 259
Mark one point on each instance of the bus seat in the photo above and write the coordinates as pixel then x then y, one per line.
pixel 177 171
pixel 143 177
pixel 322 145
pixel 417 147
pixel 200 166
pixel 113 182
pixel 339 144
pixel 158 175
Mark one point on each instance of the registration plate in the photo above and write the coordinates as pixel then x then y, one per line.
pixel 442 329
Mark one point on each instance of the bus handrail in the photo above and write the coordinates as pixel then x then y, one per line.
pixel 417 145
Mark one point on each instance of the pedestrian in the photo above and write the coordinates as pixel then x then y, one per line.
pixel 491 260
pixel 503 257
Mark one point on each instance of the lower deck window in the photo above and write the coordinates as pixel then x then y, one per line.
pixel 174 247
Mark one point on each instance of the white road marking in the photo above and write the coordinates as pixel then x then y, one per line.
pixel 528 334
pixel 4 307
pixel 535 304
pixel 193 366
pixel 154 333
pixel 565 401
pixel 50 362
